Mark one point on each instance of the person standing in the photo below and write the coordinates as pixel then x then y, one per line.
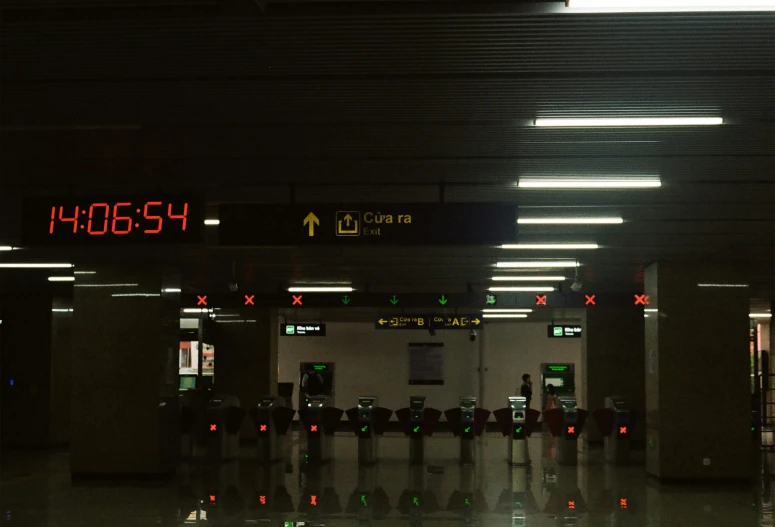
pixel 526 390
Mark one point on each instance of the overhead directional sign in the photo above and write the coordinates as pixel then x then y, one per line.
pixel 363 224
pixel 303 330
pixel 555 331
pixel 467 321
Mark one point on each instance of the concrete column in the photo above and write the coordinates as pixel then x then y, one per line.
pixel 125 347
pixel 246 359
pixel 613 363
pixel 697 374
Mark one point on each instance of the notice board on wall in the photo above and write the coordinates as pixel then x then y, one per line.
pixel 426 363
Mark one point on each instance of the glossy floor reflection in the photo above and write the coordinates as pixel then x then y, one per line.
pixel 36 491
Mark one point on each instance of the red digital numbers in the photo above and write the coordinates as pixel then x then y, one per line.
pixel 152 217
pixel 117 218
pixel 178 216
pixel 89 228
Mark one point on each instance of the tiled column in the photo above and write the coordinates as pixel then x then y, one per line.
pixel 246 359
pixel 697 374
pixel 613 363
pixel 125 348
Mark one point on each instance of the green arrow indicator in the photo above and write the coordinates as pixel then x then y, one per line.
pixel 416 501
pixel 443 300
pixel 394 300
pixel 416 429
pixel 492 300
pixel 345 299
pixel 364 428
pixel 467 501
pixel 363 500
pixel 467 429
pixel 518 430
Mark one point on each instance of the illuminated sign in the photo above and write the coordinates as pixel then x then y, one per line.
pixel 262 499
pixel 303 330
pixel 641 300
pixel 313 428
pixel 367 224
pixel 262 428
pixel 468 321
pixel 98 221
pixel 540 300
pixel 297 300
pixel 558 367
pixel 553 331
pixel 213 428
pixel 589 300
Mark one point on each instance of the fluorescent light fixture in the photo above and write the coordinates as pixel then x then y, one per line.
pixel 84 272
pixel 35 265
pixel 504 315
pixel 507 310
pixel 135 294
pixel 629 121
pixel 326 289
pixel 543 264
pixel 171 290
pixel 107 285
pixel 596 183
pixel 61 279
pixel 519 289
pixel 235 321
pixel 6 248
pixel 550 246
pixel 640 6
pixel 196 310
pixel 760 315
pixel 571 221
pixel 650 310
pixel 723 285
pixel 528 278
pixel 212 221
pixel 62 310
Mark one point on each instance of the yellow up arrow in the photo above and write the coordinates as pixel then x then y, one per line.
pixel 311 220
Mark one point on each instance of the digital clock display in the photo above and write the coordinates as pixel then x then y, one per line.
pixel 89 221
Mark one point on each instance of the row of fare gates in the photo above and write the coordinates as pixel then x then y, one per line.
pixel 223 418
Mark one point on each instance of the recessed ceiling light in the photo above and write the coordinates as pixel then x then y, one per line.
pixel 760 315
pixel 591 183
pixel 504 315
pixel 528 278
pixel 61 279
pixel 633 121
pixel 570 221
pixel 507 310
pixel 550 246
pixel 326 289
pixel 212 221
pixel 544 264
pixel 520 289
pixel 635 6
pixel 35 265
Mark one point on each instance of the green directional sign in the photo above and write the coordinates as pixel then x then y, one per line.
pixel 416 429
pixel 363 500
pixel 364 428
pixel 443 300
pixel 518 429
pixel 491 300
pixel 467 429
pixel 394 300
pixel 346 300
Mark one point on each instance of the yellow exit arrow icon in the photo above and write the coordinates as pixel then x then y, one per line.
pixel 311 220
pixel 382 321
pixel 476 321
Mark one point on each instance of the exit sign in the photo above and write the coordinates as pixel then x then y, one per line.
pixel 563 332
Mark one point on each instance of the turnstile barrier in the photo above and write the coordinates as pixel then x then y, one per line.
pixel 417 422
pixel 272 419
pixel 615 423
pixel 368 422
pixel 223 418
pixel 566 424
pixel 467 421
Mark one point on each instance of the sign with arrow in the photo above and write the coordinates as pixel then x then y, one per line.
pixel 394 300
pixel 468 321
pixel 443 300
pixel 259 224
pixel 346 299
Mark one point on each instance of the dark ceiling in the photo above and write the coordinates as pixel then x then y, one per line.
pixel 387 101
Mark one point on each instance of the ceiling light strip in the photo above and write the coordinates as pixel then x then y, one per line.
pixel 521 289
pixel 325 289
pixel 542 264
pixel 507 310
pixel 599 183
pixel 628 121
pixel 528 278
pixel 612 220
pixel 550 246
pixel 504 315
pixel 35 265
pixel 760 315
pixel 61 279
pixel 724 285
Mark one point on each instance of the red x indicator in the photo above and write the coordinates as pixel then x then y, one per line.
pixel 249 300
pixel 540 300
pixel 622 503
pixel 622 430
pixel 213 428
pixel 571 504
pixel 212 498
pixel 262 428
pixel 589 300
pixel 297 300
pixel 313 428
pixel 313 500
pixel 571 429
pixel 641 300
pixel 201 300
pixel 262 499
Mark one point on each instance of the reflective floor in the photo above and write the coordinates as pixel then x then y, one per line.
pixel 35 491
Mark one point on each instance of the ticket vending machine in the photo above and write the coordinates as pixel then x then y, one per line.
pixel 223 418
pixel 272 420
pixel 617 443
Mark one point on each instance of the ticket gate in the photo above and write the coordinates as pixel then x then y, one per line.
pixel 418 422
pixel 565 424
pixel 319 419
pixel 272 420
pixel 615 423
pixel 223 418
pixel 369 422
pixel 468 422
pixel 516 423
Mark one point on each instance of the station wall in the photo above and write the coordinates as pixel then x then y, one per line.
pixel 373 362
